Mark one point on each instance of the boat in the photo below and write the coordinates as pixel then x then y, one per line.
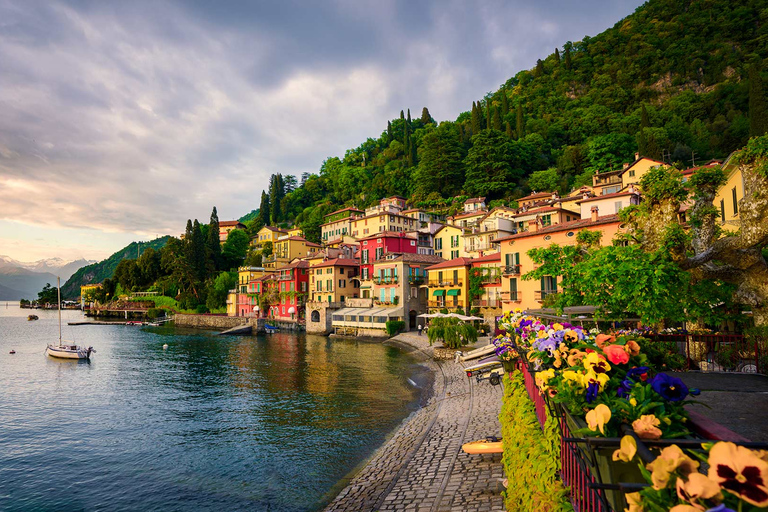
pixel 474 354
pixel 483 366
pixel 67 349
pixel 494 376
pixel 134 322
pixel 488 445
pixel 32 317
pixel 270 329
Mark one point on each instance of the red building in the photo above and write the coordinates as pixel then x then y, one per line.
pixel 375 247
pixel 292 283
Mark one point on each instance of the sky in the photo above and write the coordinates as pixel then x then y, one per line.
pixel 120 120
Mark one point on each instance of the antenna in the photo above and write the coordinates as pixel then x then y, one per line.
pixel 693 158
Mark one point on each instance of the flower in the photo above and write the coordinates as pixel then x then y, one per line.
pixel 684 508
pixel 598 417
pixel 670 388
pixel 633 402
pixel 627 449
pixel 572 336
pixel 603 339
pixel 543 377
pixel 575 356
pixel 634 500
pixel 720 508
pixel 697 487
pixel 616 354
pixel 632 348
pixel 596 363
pixel 638 373
pixel 593 388
pixel 739 471
pixel 671 458
pixel 646 427
pixel 600 378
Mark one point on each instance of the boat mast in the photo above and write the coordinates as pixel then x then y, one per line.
pixel 58 291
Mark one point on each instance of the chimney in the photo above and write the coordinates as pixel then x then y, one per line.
pixel 532 226
pixel 594 213
pixel 637 156
pixel 626 164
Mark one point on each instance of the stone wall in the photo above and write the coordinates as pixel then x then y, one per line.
pixel 324 325
pixel 209 321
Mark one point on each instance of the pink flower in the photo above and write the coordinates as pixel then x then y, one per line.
pixel 616 354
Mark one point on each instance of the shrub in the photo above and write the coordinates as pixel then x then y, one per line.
pixel 201 308
pixel 451 332
pixel 662 354
pixel 153 313
pixel 395 326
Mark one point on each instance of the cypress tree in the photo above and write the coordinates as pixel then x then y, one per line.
pixel 425 117
pixel 496 122
pixel 488 114
pixel 504 103
pixel 198 252
pixel 389 132
pixel 213 245
pixel 539 71
pixel 568 63
pixel 509 131
pixel 644 121
pixel 188 240
pixel 557 56
pixel 264 209
pixel 276 194
pixel 409 116
pixel 520 128
pixel 475 119
pixel 402 115
pixel 758 110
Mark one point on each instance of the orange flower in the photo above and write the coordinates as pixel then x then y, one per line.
pixel 672 458
pixel 685 508
pixel 739 471
pixel 616 354
pixel 697 487
pixel 635 502
pixel 598 417
pixel 627 449
pixel 632 348
pixel 647 427
pixel 576 356
pixel 603 339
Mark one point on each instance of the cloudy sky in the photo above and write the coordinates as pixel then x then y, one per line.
pixel 120 120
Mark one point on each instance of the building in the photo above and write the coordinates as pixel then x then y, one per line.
pixel 227 226
pixel 381 219
pixel 87 293
pixel 475 204
pixel 537 199
pixel 287 249
pixel 497 223
pixel 467 219
pixel 729 194
pixel 268 234
pixel 527 294
pixel 292 282
pixel 448 242
pixel 375 247
pixel 449 285
pixel 544 216
pixel 610 203
pixel 333 281
pixel 488 271
pixel 338 224
pixel 633 172
pixel 245 297
pixel 607 182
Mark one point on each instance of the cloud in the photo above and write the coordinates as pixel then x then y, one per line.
pixel 134 116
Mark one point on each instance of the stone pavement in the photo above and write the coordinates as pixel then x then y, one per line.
pixel 422 468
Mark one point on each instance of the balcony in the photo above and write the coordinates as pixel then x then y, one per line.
pixel 417 280
pixel 445 282
pixel 386 280
pixel 511 270
pixel 286 277
pixel 486 303
pixel 321 303
pixel 435 304
pixel 480 247
pixel 490 280
pixel 511 296
pixel 540 295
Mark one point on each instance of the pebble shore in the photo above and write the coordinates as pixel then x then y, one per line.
pixel 422 467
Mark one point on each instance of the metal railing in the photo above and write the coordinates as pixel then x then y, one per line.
pixel 510 270
pixel 718 352
pixel 415 279
pixel 540 295
pixel 486 303
pixel 386 279
pixel 445 282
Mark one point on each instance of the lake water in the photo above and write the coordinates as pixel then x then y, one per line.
pixel 212 423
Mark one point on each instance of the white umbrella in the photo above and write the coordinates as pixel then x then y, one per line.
pixel 475 318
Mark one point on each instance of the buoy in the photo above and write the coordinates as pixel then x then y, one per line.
pixel 165 347
pixel 13 352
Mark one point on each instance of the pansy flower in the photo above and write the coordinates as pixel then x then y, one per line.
pixel 671 459
pixel 670 388
pixel 638 373
pixel 647 427
pixel 598 417
pixel 596 363
pixel 697 487
pixel 616 354
pixel 739 471
pixel 627 449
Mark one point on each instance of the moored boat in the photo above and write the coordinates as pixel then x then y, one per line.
pixel 32 317
pixel 67 349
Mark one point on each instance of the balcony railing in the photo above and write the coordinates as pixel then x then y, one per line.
pixel 511 270
pixel 435 304
pixel 415 280
pixel 486 303
pixel 286 277
pixel 386 280
pixel 445 282
pixel 540 295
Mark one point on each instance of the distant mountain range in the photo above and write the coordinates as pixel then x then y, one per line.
pixel 22 280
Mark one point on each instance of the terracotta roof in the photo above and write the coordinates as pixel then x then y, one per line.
pixel 456 262
pixel 565 226
pixel 545 209
pixel 496 256
pixel 534 196
pixel 273 228
pixel 352 208
pixel 460 228
pixel 295 264
pixel 475 200
pixel 226 223
pixel 338 262
pixel 469 214
pixel 388 234
pixel 607 196
pixel 409 257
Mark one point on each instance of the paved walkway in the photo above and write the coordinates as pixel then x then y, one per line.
pixel 422 468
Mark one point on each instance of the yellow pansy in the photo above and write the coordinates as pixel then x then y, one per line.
pixel 627 449
pixel 600 378
pixel 671 459
pixel 596 363
pixel 635 502
pixel 598 417
pixel 647 427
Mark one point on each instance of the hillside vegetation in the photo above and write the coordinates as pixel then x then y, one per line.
pixel 673 81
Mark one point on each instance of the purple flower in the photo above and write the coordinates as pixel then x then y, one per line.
pixel 670 388
pixel 720 508
pixel 543 344
pixel 695 391
pixel 592 391
pixel 637 373
pixel 558 336
pixel 624 389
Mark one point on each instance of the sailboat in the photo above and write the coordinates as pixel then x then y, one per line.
pixel 67 349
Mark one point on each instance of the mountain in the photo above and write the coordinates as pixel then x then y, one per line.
pixel 55 266
pixel 672 81
pixel 11 294
pixel 98 272
pixel 21 283
pixel 249 216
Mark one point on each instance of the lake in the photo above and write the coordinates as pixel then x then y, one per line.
pixel 212 423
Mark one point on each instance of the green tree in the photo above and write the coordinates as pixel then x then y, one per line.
pixel 425 117
pixel 539 70
pixel 198 261
pixel 567 50
pixel 607 152
pixel 276 195
pixel 557 56
pixel 219 289
pixel 758 110
pixel 520 128
pixel 496 120
pixel 213 245
pixel 440 162
pixel 235 248
pixel 544 181
pixel 653 143
pixel 48 295
pixel 264 209
pixel 488 164
pixel 266 248
pixel 504 103
pixel 475 120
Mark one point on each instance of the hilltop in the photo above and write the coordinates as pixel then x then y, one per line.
pixel 97 272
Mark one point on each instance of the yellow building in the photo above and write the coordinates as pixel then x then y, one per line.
pixel 295 231
pixel 384 220
pixel 227 226
pixel 544 217
pixel 338 224
pixel 87 293
pixel 268 234
pixel 467 219
pixel 634 172
pixel 449 284
pixel 728 196
pixel 248 274
pixel 529 294
pixel 497 223
pixel 334 280
pixel 287 249
pixel 448 242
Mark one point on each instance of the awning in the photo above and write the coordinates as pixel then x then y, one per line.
pixel 454 292
pixel 394 312
pixel 438 293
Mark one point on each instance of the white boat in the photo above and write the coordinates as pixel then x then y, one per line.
pixel 67 349
pixel 474 354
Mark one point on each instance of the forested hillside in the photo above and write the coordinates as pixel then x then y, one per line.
pixel 97 272
pixel 678 81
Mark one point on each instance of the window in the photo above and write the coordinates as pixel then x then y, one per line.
pixel 304 286
pixel 413 242
pixel 438 244
pixel 342 283
pixel 617 206
pixel 365 274
pixel 365 255
pixel 735 203
pixel 546 220
pixel 570 233
pixel 329 270
pixel 319 285
pixel 549 284
pixel 548 237
pixel 632 173
pixel 567 218
pixel 282 287
pixel 414 292
pixel 513 288
pixel 292 286
pixel 722 210
pixel 341 271
pixel 379 252
pixel 454 254
pixel 455 276
pixel 329 284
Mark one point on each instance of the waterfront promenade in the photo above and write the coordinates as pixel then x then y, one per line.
pixel 422 467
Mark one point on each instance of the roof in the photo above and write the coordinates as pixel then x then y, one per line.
pixel 632 164
pixel 496 256
pixel 295 264
pixel 565 226
pixel 455 262
pixel 607 196
pixel 469 214
pixel 351 208
pixel 475 200
pixel 536 195
pixel 227 223
pixel 271 228
pixel 388 234
pixel 338 262
pixel 460 228
pixel 409 257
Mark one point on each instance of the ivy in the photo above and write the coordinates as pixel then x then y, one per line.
pixel 531 456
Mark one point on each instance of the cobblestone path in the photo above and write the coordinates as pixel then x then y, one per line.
pixel 422 468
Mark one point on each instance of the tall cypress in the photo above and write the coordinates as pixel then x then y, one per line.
pixel 520 128
pixel 539 71
pixel 425 117
pixel 758 110
pixel 509 131
pixel 568 63
pixel 276 194
pixel 188 241
pixel 475 119
pixel 198 252
pixel 264 209
pixel 504 103
pixel 409 116
pixel 557 56
pixel 496 122
pixel 389 132
pixel 488 114
pixel 644 121
pixel 213 244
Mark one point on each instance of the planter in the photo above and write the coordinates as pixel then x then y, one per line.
pixel 600 462
pixel 509 366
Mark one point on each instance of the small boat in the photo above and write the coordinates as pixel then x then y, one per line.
pixel 67 349
pixel 134 322
pixel 32 317
pixel 270 329
pixel 474 354
pixel 488 445
pixel 483 366
pixel 12 352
